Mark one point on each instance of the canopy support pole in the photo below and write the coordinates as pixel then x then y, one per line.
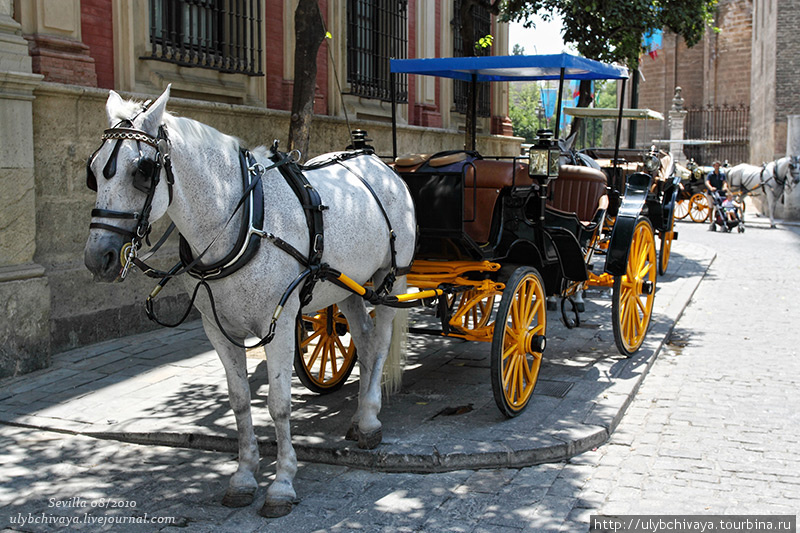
pixel 473 105
pixel 634 104
pixel 558 104
pixel 393 92
pixel 619 125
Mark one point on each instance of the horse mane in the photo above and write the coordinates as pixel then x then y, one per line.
pixel 190 130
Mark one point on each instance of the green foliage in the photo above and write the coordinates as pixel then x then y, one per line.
pixel 518 50
pixel 484 42
pixel 612 30
pixel 523 103
pixel 605 94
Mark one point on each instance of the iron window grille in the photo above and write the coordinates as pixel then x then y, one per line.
pixel 222 35
pixel 728 124
pixel 377 30
pixel 482 27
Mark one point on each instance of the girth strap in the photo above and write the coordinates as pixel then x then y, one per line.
pixel 311 203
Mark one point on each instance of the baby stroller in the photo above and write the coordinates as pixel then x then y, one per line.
pixel 726 213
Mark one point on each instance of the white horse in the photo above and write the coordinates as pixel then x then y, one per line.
pixel 199 194
pixel 771 179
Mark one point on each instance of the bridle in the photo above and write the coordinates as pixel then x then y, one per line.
pixel 146 178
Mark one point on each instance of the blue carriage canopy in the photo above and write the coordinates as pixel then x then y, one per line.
pixel 511 68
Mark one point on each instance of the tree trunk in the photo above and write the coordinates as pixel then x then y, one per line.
pixel 309 33
pixel 584 99
pixel 468 45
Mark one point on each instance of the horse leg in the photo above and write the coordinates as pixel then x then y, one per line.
pixel 243 485
pixel 366 425
pixel 771 204
pixel 361 327
pixel 280 494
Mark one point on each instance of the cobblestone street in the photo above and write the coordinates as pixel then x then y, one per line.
pixel 712 429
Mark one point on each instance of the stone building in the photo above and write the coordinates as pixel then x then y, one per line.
pixel 739 84
pixel 228 68
pixel 715 79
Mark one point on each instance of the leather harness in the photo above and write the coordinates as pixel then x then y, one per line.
pixel 250 233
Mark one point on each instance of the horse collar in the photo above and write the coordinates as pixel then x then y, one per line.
pixel 250 232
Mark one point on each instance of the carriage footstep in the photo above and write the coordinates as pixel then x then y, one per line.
pixel 276 508
pixel 368 441
pixel 238 499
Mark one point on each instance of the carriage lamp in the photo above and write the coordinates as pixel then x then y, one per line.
pixel 544 157
pixel 652 161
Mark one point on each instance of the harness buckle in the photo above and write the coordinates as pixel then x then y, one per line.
pixel 318 243
pixel 257 168
pixel 127 255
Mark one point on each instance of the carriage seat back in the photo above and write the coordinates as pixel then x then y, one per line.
pixel 578 190
pixel 412 162
pixel 484 180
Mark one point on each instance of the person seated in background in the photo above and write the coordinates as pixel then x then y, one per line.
pixel 731 207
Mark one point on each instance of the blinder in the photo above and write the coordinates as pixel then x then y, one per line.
pixel 145 177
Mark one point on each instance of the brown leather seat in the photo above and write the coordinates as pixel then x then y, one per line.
pixel 482 187
pixel 578 190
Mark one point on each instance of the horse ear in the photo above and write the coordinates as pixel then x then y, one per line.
pixel 152 118
pixel 113 103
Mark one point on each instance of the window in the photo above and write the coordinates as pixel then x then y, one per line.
pixel 222 35
pixel 483 26
pixel 376 32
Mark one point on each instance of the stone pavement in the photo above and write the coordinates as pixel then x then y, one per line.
pixel 167 387
pixel 716 425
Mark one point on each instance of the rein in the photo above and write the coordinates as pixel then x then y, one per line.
pixel 146 179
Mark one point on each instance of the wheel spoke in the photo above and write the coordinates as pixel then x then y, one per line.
pixel 323 362
pixel 305 342
pixel 314 355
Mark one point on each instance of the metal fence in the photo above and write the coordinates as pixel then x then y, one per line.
pixel 483 27
pixel 377 30
pixel 223 35
pixel 728 124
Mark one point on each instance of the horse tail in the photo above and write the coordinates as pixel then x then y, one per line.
pixel 393 369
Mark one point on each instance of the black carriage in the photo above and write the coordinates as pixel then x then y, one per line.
pixel 498 235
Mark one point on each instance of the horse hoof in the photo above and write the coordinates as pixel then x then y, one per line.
pixel 368 441
pixel 352 433
pixel 238 499
pixel 580 307
pixel 276 508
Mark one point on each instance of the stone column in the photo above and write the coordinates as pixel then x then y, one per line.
pixel 790 209
pixel 24 292
pixel 677 116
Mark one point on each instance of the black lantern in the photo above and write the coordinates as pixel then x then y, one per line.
pixel 544 157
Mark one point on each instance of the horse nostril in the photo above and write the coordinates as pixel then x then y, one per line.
pixel 109 259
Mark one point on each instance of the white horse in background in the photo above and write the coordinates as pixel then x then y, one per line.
pixel 771 180
pixel 198 186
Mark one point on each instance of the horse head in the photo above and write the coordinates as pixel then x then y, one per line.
pixel 127 171
pixel 794 170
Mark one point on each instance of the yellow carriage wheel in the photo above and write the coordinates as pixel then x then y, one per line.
pixel 518 340
pixel 666 238
pixel 634 291
pixel 325 353
pixel 682 208
pixel 474 314
pixel 699 210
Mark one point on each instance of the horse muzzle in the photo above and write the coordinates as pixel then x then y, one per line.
pixel 102 257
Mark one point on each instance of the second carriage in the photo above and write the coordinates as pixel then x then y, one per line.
pixel 498 235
